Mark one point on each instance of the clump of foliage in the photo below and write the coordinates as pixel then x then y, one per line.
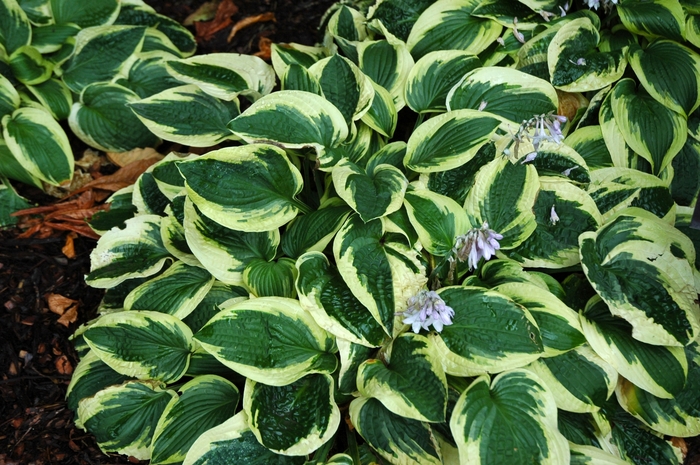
pixel 80 61
pixel 461 240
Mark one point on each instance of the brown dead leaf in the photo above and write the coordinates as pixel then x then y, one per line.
pixel 63 365
pixel 265 46
pixel 73 446
pixel 249 21
pixel 89 158
pixel 69 249
pixel 71 316
pixel 570 103
pixel 124 177
pixel 222 20
pixel 681 444
pixel 58 304
pixel 124 158
pixel 205 12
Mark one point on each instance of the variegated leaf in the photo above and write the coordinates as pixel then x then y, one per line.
pixel 295 419
pixel 408 379
pixel 123 418
pixel 254 190
pixel 405 441
pixel 324 294
pixel 489 333
pixel 659 370
pixel 269 339
pixel 159 345
pixel 514 415
pixel 642 268
pixel 381 273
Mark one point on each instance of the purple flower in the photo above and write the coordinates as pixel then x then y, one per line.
pixel 476 244
pixel 425 309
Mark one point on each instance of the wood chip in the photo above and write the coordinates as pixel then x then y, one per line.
pixel 249 21
pixel 58 303
pixel 265 46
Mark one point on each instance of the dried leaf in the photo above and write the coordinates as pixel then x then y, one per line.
pixel 122 159
pixel 125 176
pixel 69 249
pixel 71 316
pixel 265 46
pixel 58 303
pixel 205 12
pixel 89 158
pixel 206 30
pixel 250 20
pixel 63 365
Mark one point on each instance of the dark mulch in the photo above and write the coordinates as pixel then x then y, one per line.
pixel 36 356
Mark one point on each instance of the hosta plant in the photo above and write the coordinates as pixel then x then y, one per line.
pixel 80 61
pixel 459 233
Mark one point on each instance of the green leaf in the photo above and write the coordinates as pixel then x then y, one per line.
pixel 438 220
pixel 205 402
pixel 139 15
pixel 85 14
pixel 234 442
pixel 209 306
pixel 148 75
pixel 432 77
pixel 91 375
pixel 614 189
pixel 315 230
pixel 558 324
pixel 554 243
pixel 10 202
pixel 269 339
pixel 381 273
pixel 408 380
pixel 100 53
pixel 505 92
pixel 54 96
pixel 641 267
pixel 660 370
pixel 133 252
pixel 396 438
pixel 514 416
pixel 489 333
pixel 678 417
pixel 123 418
pixel 686 178
pixel 351 356
pixel 39 144
pixel 9 98
pixel 579 380
pixel 225 75
pixel 29 67
pixel 503 195
pixel 449 24
pixel 654 18
pixel 399 16
pixel 295 419
pixel 294 119
pixel 158 347
pixel 324 294
pixel 15 29
pixel 382 115
pixel 254 189
pixel 275 278
pixel 51 37
pixel 226 252
pixel 371 195
pixel 449 140
pixel 652 130
pixel 574 63
pixel 186 115
pixel 387 63
pixel 344 85
pixel 103 119
pixel 667 70
pixel 176 292
pixel 284 55
pixel 590 144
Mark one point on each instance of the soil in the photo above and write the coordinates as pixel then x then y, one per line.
pixel 36 355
